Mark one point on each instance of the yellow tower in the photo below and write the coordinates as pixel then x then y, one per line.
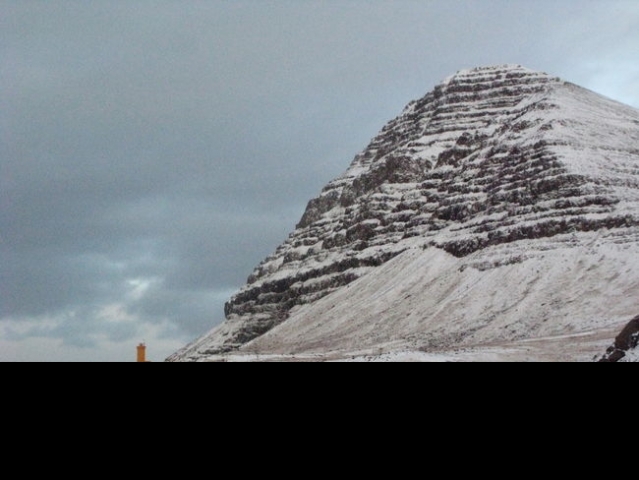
pixel 141 353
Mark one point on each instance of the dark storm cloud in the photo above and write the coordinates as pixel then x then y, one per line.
pixel 153 152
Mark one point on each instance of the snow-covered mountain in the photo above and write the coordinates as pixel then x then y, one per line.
pixel 499 211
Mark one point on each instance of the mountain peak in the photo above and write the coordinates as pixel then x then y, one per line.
pixel 496 168
pixel 497 75
pixel 478 74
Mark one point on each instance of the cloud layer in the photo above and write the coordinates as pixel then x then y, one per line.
pixel 153 152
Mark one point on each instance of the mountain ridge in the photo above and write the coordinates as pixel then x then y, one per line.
pixel 491 158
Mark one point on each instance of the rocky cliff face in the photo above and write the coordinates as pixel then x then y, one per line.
pixel 492 158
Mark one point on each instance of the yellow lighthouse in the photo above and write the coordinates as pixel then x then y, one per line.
pixel 142 353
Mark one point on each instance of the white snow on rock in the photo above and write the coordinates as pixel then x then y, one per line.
pixel 631 357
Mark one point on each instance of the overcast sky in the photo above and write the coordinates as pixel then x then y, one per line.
pixel 152 152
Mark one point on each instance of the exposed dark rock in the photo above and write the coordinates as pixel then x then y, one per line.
pixel 627 341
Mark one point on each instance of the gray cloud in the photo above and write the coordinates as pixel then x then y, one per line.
pixel 153 152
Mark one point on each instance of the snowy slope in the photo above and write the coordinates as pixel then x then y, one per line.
pixel 428 300
pixel 499 173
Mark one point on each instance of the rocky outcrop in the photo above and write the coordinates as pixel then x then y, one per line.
pixel 627 342
pixel 492 156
